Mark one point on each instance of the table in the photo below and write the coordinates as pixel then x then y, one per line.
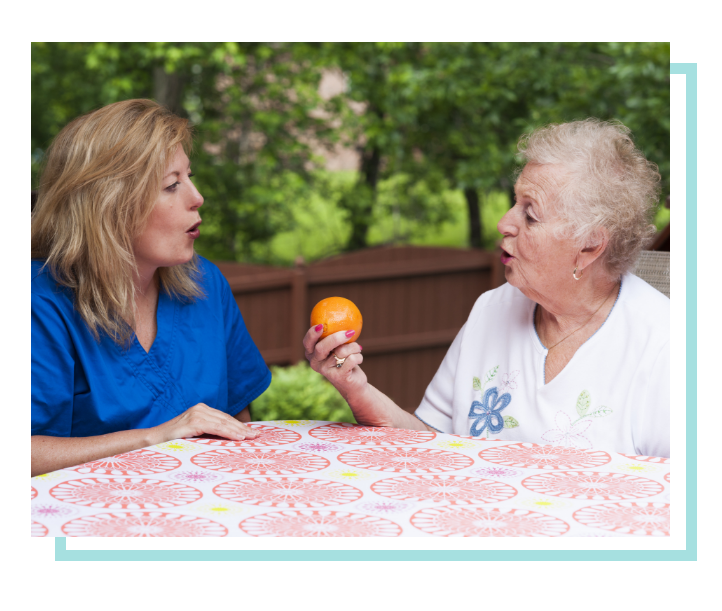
pixel 311 478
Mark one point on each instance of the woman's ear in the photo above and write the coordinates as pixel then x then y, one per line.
pixel 595 245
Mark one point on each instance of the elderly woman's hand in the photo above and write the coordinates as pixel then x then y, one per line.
pixel 370 406
pixel 349 379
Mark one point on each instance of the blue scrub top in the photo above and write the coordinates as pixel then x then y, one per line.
pixel 202 353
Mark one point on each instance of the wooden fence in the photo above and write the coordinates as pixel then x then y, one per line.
pixel 413 300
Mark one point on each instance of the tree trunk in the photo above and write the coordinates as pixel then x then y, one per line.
pixel 362 212
pixel 472 202
pixel 168 89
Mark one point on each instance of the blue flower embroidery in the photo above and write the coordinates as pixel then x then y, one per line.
pixel 486 413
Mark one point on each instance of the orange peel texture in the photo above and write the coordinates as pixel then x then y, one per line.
pixel 337 314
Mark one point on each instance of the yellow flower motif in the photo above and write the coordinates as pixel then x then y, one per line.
pixel 295 422
pixel 178 446
pixel 456 444
pixel 218 509
pixel 47 477
pixel 349 474
pixel 637 467
pixel 541 503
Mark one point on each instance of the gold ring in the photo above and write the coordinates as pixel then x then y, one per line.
pixel 339 361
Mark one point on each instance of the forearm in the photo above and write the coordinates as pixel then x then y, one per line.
pixel 373 408
pixel 53 453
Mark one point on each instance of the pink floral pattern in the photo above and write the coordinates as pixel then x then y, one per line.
pixel 569 433
pixel 361 484
pixel 37 529
pixel 631 518
pixel 440 488
pixel 650 459
pixel 260 461
pixel 405 460
pixel 318 523
pixel 508 381
pixel 143 524
pixel 535 456
pixel 479 521
pixel 591 485
pixel 125 493
pixel 138 462
pixel 354 434
pixel 287 492
pixel 270 436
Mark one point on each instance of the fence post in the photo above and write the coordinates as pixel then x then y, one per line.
pixel 498 275
pixel 299 321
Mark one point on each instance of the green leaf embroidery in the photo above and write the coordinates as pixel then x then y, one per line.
pixel 477 383
pixel 490 375
pixel 600 412
pixel 510 423
pixel 583 403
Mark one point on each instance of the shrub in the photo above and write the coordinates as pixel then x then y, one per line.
pixel 299 393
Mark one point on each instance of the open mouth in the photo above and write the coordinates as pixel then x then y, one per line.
pixel 505 256
pixel 194 232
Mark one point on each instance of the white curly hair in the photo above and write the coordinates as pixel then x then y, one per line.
pixel 608 183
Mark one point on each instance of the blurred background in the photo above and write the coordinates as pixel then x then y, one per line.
pixel 374 171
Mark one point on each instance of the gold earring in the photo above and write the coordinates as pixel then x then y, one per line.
pixel 574 274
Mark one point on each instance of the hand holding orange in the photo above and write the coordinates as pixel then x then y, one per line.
pixel 337 314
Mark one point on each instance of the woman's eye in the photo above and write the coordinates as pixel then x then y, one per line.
pixel 530 219
pixel 176 184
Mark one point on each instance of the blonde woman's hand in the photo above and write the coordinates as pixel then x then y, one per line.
pixel 201 419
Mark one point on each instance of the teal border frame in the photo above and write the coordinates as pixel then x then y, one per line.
pixel 690 553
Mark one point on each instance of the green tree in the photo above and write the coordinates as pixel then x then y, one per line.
pixel 255 107
pixel 474 100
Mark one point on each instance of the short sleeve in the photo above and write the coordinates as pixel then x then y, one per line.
pixel 436 406
pixel 248 375
pixel 651 423
pixel 52 370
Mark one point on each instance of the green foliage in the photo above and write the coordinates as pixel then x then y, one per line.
pixel 510 422
pixel 431 120
pixel 584 401
pixel 299 393
pixel 457 110
pixel 255 107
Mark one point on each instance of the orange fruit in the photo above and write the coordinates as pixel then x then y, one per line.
pixel 337 314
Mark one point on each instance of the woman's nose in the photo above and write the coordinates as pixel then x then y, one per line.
pixel 507 224
pixel 197 198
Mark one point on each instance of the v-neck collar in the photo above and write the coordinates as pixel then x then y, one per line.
pixel 152 366
pixel 543 349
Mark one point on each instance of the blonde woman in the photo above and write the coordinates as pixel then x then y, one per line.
pixel 574 349
pixel 136 340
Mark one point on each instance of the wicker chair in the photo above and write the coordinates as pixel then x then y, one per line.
pixel 653 267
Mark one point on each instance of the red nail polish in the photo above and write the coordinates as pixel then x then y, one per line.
pixel 318 328
pixel 350 333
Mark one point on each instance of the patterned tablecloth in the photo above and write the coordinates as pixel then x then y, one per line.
pixel 308 478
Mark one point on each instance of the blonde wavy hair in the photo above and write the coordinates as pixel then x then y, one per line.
pixel 103 174
pixel 608 183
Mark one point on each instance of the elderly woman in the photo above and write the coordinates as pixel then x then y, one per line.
pixel 136 340
pixel 573 350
